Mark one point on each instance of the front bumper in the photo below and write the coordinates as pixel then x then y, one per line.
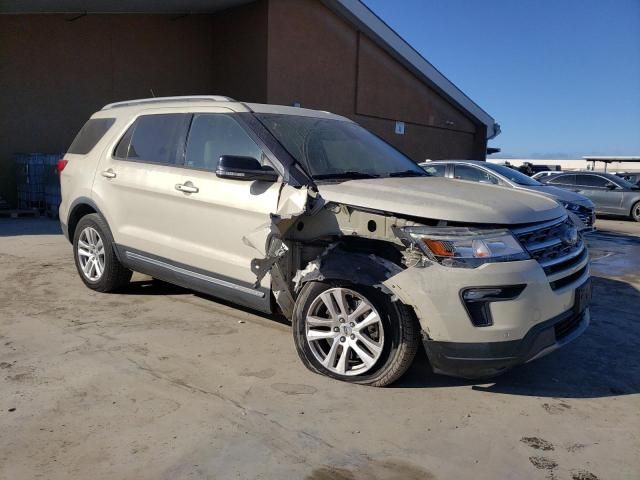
pixel 483 360
pixel 522 328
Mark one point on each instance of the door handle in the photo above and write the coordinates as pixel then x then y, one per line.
pixel 109 173
pixel 187 187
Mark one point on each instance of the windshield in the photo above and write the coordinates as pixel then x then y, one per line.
pixel 621 181
pixel 513 175
pixel 335 149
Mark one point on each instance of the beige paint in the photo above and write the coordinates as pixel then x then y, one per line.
pixel 444 199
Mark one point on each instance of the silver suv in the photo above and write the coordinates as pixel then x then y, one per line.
pixel 307 213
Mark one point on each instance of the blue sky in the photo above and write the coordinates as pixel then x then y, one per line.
pixel 561 77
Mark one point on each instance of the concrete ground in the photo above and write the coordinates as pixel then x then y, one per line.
pixel 161 383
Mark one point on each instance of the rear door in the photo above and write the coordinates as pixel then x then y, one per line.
pixel 134 185
pixel 596 188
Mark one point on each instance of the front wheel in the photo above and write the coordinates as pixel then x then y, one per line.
pixel 635 212
pixel 354 333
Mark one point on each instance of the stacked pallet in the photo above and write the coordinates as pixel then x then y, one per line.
pixel 38 182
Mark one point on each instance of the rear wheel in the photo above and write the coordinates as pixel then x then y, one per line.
pixel 354 333
pixel 94 255
pixel 635 212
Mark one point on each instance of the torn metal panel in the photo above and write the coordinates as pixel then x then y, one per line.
pixel 353 267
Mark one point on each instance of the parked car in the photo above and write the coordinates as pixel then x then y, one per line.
pixel 611 194
pixel 491 173
pixel 307 213
pixel 631 177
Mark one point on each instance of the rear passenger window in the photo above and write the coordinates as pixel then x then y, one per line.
pixel 214 135
pixel 591 181
pixel 90 134
pixel 564 180
pixel 155 139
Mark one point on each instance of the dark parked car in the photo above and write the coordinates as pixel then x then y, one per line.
pixel 611 194
pixel 486 172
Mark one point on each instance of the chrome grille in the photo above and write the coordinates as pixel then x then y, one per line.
pixel 547 244
pixel 585 214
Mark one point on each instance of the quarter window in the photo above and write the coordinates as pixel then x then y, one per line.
pixel 90 134
pixel 214 135
pixel 155 139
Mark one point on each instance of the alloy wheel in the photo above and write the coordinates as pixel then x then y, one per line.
pixel 344 331
pixel 91 254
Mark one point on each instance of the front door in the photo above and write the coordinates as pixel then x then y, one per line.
pixel 597 188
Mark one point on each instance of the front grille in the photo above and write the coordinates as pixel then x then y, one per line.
pixel 585 214
pixel 550 245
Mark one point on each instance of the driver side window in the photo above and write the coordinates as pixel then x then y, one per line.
pixel 213 135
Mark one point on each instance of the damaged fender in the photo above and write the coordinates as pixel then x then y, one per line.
pixel 339 264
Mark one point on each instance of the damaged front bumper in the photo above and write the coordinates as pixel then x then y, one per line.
pixel 535 322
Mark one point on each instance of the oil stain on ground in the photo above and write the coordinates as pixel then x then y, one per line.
pixel 373 470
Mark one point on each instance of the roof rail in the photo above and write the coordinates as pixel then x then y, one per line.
pixel 189 98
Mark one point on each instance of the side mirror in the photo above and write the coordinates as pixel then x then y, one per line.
pixel 611 186
pixel 244 168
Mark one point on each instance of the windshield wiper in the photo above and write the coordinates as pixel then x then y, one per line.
pixel 409 173
pixel 348 175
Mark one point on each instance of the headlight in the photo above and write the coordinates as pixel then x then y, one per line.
pixel 572 207
pixel 462 246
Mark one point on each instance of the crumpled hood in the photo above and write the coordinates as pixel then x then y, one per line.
pixel 559 194
pixel 444 199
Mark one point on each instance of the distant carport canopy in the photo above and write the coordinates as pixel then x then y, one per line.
pixel 607 160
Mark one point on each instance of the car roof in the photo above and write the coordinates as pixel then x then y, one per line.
pixel 431 162
pixel 194 102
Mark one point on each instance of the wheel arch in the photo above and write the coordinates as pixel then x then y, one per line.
pixel 356 261
pixel 80 208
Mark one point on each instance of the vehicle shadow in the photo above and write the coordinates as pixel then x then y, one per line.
pixel 153 286
pixel 13 227
pixel 603 362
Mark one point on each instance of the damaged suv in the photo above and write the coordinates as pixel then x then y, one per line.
pixel 307 213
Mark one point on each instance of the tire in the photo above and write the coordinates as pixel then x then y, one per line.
pixel 100 272
pixel 391 338
pixel 635 212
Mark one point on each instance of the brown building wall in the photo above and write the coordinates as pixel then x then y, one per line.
pixel 321 61
pixel 240 52
pixel 54 73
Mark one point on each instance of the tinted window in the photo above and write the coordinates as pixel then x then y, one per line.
pixel 473 174
pixel 214 135
pixel 337 149
pixel 436 170
pixel 514 175
pixel 563 180
pixel 591 181
pixel 90 134
pixel 154 138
